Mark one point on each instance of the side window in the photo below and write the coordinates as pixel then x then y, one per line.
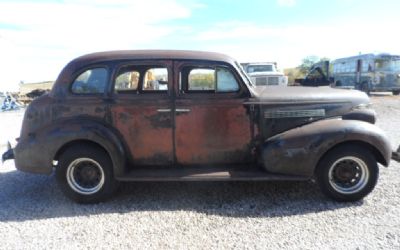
pixel 92 81
pixel 155 79
pixel 226 82
pixel 201 79
pixel 215 80
pixel 126 81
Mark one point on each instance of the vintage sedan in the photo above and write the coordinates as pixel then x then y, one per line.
pixel 191 116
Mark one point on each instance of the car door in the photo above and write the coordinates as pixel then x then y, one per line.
pixel 212 124
pixel 141 111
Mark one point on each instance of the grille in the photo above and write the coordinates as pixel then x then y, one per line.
pixel 273 80
pixel 261 81
pixel 266 80
pixel 294 113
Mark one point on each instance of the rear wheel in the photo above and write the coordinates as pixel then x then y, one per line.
pixel 397 92
pixel 347 173
pixel 85 174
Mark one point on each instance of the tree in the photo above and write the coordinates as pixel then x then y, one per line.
pixel 306 64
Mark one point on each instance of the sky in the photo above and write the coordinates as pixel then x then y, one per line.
pixel 37 38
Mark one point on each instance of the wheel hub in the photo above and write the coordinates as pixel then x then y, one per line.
pixel 85 176
pixel 346 171
pixel 348 175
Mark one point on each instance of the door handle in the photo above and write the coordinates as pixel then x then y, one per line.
pixel 182 110
pixel 163 110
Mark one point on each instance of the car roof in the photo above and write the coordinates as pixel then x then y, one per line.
pixel 151 54
pixel 66 75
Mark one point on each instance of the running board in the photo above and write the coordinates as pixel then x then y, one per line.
pixel 205 174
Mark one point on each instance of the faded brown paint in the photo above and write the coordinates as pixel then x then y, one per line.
pixel 191 128
pixel 147 132
pixel 212 132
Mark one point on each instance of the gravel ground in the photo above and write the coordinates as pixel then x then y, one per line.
pixel 34 213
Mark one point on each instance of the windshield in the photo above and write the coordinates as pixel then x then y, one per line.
pixel 244 75
pixel 259 68
pixel 388 64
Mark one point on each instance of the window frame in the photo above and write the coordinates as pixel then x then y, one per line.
pixel 127 91
pixel 141 81
pixel 142 66
pixel 183 88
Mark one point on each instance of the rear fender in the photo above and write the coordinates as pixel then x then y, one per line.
pixel 64 132
pixel 299 150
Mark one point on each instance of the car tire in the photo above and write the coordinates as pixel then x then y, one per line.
pixel 347 173
pixel 85 174
pixel 396 92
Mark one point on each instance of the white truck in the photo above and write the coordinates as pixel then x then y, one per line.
pixel 265 73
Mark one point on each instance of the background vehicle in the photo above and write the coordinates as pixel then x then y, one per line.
pixel 367 73
pixel 191 116
pixel 265 74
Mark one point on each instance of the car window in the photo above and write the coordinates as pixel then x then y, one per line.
pixel 92 81
pixel 201 79
pixel 226 82
pixel 155 79
pixel 126 81
pixel 216 80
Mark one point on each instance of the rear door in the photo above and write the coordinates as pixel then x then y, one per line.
pixel 212 125
pixel 142 110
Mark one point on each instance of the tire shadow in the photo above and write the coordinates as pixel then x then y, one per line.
pixel 30 197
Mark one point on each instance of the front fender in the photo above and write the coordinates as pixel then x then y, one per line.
pixel 42 146
pixel 299 150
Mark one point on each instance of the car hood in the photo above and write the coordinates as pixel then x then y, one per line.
pixel 300 94
pixel 284 108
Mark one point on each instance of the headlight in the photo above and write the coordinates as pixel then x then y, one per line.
pixel 398 76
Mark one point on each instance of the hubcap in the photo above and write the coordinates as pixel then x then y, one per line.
pixel 85 176
pixel 348 175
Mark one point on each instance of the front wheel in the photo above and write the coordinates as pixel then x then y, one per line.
pixel 85 174
pixel 396 92
pixel 347 173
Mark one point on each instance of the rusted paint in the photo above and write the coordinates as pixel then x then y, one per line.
pixel 148 134
pixel 179 129
pixel 213 132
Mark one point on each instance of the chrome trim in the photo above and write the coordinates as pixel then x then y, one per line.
pixel 278 114
pixel 182 110
pixel 163 110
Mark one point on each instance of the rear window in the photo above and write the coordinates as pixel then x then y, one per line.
pixel 91 81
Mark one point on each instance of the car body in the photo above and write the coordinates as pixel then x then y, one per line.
pixel 157 115
pixel 265 74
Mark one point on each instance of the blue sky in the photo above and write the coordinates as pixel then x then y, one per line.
pixel 37 38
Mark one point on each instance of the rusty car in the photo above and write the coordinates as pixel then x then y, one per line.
pixel 165 115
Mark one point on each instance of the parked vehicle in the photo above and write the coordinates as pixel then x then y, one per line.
pixel 191 116
pixel 9 103
pixel 367 73
pixel 265 74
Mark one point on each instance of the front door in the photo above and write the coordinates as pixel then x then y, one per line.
pixel 142 111
pixel 212 126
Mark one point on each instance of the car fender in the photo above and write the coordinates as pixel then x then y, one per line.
pixel 66 131
pixel 298 151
